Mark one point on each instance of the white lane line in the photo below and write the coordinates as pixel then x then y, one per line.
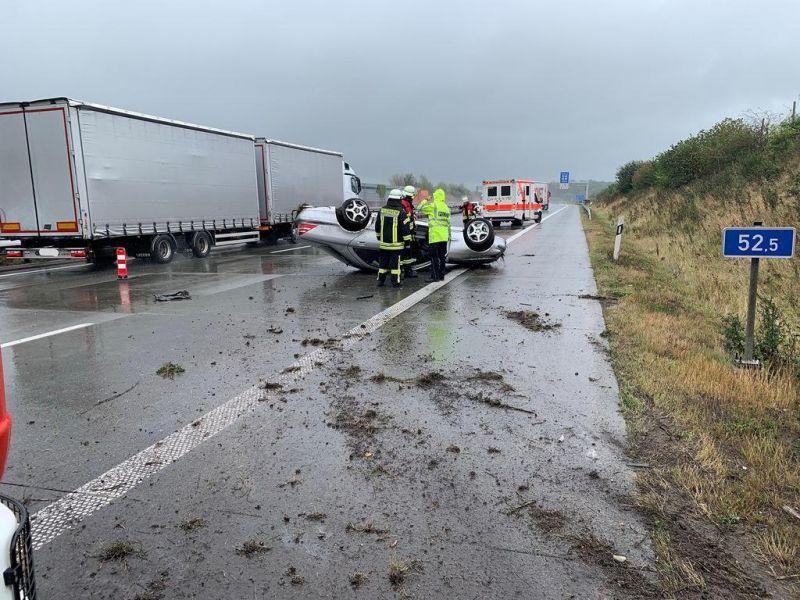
pixel 72 508
pixel 289 249
pixel 32 271
pixel 44 335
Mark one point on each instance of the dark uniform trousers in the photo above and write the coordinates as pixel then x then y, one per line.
pixel 438 252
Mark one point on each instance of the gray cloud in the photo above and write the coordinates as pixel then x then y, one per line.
pixel 460 91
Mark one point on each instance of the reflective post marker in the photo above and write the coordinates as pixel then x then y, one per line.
pixel 618 238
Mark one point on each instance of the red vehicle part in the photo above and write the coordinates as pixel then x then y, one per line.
pixel 5 421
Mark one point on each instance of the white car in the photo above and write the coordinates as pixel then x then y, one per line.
pixel 348 233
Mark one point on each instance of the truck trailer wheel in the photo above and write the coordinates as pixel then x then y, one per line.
pixel 353 214
pixel 162 249
pixel 201 244
pixel 479 235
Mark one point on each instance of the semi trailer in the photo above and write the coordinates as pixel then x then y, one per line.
pixel 78 180
pixel 291 175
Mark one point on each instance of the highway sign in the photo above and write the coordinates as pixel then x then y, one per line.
pixel 564 177
pixel 758 242
pixel 580 197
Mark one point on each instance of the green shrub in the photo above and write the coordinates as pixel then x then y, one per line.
pixel 733 335
pixel 625 176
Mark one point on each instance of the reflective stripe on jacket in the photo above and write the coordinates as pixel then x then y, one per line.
pixel 438 215
pixel 392 226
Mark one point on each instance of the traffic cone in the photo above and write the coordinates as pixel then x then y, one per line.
pixel 122 264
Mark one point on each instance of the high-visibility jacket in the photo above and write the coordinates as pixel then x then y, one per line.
pixel 438 215
pixel 392 225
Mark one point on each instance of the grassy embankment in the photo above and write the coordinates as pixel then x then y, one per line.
pixel 725 441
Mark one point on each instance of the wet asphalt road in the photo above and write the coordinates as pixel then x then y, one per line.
pixel 479 500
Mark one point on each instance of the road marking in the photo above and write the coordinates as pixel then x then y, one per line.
pixel 72 508
pixel 289 249
pixel 44 335
pixel 32 271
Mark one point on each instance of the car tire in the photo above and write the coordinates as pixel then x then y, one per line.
pixel 162 249
pixel 201 244
pixel 353 214
pixel 479 235
pixel 538 217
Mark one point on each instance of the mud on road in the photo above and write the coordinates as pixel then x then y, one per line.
pixel 454 452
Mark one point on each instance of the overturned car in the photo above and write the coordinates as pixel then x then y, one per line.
pixel 347 233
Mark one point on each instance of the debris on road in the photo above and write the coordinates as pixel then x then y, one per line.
pixel 313 516
pixel 194 523
pixel 383 378
pixel 365 297
pixel 169 369
pixel 428 380
pixel 110 398
pixel 118 551
pixel 358 579
pixel 269 385
pixel 274 329
pixel 329 343
pixel 532 320
pixel 179 295
pixel 489 400
pixel 366 527
pixel 619 558
pixel 252 547
pixel 399 569
pixel 294 578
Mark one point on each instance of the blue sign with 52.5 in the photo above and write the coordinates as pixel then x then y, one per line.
pixel 564 177
pixel 758 242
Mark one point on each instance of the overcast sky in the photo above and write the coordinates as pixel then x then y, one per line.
pixel 458 90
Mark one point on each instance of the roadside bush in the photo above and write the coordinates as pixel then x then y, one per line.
pixel 625 176
pixel 775 344
pixel 771 333
pixel 732 147
pixel 646 176
pixel 733 335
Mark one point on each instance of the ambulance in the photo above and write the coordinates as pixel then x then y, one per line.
pixel 516 200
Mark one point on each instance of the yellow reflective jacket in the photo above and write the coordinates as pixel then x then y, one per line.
pixel 438 216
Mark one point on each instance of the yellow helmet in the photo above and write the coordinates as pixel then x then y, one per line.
pixel 409 191
pixel 395 194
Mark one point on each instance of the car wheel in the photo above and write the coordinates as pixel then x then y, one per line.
pixel 201 244
pixel 353 214
pixel 479 235
pixel 538 217
pixel 162 249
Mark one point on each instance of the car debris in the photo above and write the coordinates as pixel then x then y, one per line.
pixel 179 295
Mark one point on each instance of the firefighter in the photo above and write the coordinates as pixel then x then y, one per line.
pixel 468 210
pixel 392 227
pixel 438 215
pixel 407 259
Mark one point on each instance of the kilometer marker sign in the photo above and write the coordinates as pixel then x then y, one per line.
pixel 755 243
pixel 758 242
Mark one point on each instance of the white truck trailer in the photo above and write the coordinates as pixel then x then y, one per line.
pixel 79 179
pixel 291 175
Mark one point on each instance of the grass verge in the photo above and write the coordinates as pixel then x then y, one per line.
pixel 723 445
